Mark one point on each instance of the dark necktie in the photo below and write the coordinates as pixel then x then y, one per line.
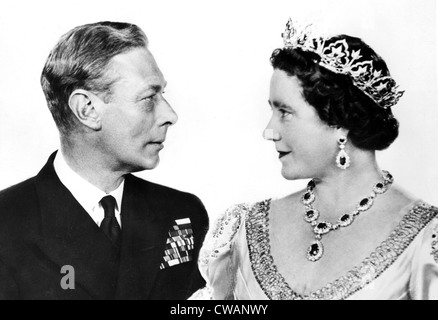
pixel 109 224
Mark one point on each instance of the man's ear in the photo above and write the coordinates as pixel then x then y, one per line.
pixel 81 103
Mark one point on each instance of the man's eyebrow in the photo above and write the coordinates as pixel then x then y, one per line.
pixel 152 88
pixel 156 87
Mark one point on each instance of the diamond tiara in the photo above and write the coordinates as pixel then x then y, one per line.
pixel 339 58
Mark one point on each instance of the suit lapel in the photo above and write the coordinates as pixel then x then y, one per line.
pixel 70 237
pixel 144 234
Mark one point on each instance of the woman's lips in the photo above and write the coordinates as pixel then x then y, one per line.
pixel 281 154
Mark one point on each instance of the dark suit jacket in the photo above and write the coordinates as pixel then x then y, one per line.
pixel 43 227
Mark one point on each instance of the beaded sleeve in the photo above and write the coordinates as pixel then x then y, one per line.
pixel 215 261
pixel 424 280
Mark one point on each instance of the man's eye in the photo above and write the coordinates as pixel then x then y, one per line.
pixel 150 98
pixel 148 103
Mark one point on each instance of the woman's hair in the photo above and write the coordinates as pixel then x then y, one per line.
pixel 336 99
pixel 79 61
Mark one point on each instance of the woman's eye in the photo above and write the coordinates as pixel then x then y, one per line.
pixel 284 113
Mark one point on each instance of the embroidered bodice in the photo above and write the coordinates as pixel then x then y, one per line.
pixel 237 263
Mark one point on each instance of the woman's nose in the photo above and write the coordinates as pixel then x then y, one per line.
pixel 270 134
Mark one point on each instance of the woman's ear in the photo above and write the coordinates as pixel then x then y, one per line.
pixel 82 104
pixel 341 132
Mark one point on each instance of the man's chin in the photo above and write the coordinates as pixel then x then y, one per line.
pixel 148 164
pixel 151 164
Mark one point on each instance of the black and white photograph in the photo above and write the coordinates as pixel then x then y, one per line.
pixel 218 150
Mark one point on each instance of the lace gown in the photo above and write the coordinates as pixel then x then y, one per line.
pixel 236 262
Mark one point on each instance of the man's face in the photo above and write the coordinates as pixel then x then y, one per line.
pixel 136 119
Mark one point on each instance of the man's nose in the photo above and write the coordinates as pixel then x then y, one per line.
pixel 168 115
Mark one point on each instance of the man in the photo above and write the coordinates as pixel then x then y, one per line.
pixel 84 227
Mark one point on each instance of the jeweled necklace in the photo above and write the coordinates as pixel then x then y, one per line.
pixel 320 228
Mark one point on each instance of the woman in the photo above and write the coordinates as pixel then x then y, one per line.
pixel 351 233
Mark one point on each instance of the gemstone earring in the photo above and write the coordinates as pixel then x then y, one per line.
pixel 342 159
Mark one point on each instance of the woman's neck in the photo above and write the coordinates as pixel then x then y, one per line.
pixel 341 190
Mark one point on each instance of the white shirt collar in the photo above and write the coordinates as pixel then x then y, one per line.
pixel 84 192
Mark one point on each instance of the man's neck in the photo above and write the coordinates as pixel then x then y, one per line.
pixel 87 164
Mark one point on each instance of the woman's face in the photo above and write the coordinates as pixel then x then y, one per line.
pixel 306 146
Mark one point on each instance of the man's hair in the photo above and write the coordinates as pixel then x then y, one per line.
pixel 79 61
